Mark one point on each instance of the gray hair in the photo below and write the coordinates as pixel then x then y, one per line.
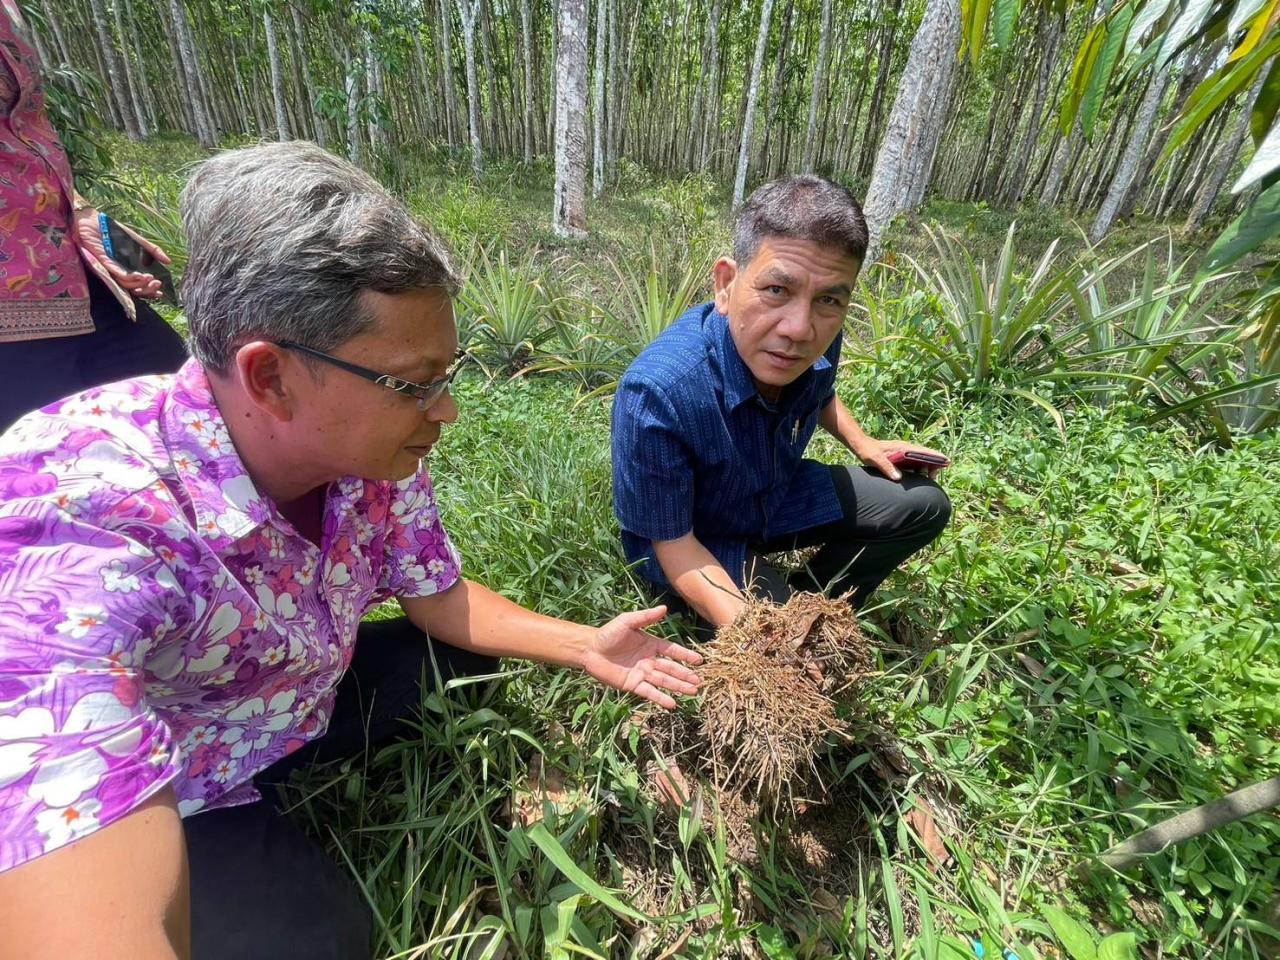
pixel 804 207
pixel 283 238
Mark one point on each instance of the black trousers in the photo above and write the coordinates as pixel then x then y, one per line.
pixel 884 522
pixel 37 372
pixel 260 888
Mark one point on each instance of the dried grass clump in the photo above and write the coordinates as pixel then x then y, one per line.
pixel 766 705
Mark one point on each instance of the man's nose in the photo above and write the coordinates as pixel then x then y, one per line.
pixel 796 323
pixel 443 410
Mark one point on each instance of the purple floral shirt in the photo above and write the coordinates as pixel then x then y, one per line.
pixel 160 621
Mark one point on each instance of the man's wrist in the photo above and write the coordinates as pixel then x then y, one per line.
pixel 579 643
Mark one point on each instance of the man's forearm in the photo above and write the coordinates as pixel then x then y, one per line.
pixel 700 579
pixel 836 419
pixel 475 618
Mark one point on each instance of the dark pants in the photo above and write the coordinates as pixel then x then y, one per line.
pixel 884 523
pixel 34 373
pixel 260 888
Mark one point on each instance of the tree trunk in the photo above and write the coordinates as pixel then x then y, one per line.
pixel 1211 186
pixel 1132 155
pixel 117 77
pixel 355 144
pixel 131 78
pixel 776 93
pixel 64 52
pixel 711 110
pixel 183 99
pixel 819 88
pixel 871 134
pixel 1068 149
pixel 206 131
pixel 905 158
pixel 1049 34
pixel 757 64
pixel 597 119
pixel 446 70
pixel 570 215
pixel 277 76
pixel 526 32
pixel 144 84
pixel 470 9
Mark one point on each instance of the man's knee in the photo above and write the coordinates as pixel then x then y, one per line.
pixel 927 508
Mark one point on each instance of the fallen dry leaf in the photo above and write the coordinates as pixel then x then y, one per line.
pixel 1031 665
pixel 671 785
pixel 544 785
pixel 920 818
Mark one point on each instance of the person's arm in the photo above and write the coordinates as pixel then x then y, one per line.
pixel 620 654
pixel 120 892
pixel 699 578
pixel 836 419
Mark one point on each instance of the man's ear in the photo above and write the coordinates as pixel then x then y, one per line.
pixel 261 369
pixel 725 272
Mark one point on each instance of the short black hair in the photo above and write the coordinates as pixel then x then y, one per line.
pixel 803 207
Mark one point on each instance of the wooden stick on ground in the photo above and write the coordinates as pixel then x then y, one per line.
pixel 1209 816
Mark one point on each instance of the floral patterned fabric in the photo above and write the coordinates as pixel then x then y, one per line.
pixel 43 289
pixel 160 621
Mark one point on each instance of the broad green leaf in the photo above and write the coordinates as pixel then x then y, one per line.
pixel 1081 71
pixel 557 854
pixel 1241 14
pixel 1266 106
pixel 1211 94
pixel 1265 159
pixel 774 945
pixel 1104 66
pixel 1249 231
pixel 1192 19
pixel 1209 397
pixel 1256 32
pixel 1006 20
pixel 1118 946
pixel 1075 939
pixel 1151 11
pixel 981 10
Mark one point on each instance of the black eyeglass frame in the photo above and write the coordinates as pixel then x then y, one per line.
pixel 425 393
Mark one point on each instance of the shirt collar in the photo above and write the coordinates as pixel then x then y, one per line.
pixel 226 503
pixel 739 385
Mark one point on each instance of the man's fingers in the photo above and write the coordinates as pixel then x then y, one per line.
pixel 669 681
pixel 650 692
pixel 677 670
pixel 673 651
pixel 885 466
pixel 642 619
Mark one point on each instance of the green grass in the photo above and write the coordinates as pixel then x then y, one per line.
pixel 1091 647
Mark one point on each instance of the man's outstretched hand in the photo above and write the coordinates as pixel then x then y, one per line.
pixel 625 656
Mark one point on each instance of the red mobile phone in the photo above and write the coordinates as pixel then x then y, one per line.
pixel 918 458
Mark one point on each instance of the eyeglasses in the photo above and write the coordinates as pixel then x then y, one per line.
pixel 425 393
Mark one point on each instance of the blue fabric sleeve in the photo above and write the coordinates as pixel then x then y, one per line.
pixel 652 468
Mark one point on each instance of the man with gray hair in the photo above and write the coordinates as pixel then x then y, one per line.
pixel 185 561
pixel 711 421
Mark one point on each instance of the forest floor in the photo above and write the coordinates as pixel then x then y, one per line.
pixel 1089 648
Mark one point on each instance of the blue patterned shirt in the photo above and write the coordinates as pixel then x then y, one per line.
pixel 696 447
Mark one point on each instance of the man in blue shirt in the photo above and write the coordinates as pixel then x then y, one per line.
pixel 711 422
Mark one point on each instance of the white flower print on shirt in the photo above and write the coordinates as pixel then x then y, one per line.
pixel 80 620
pixel 257 721
pixel 199 736
pixel 116 578
pixel 61 825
